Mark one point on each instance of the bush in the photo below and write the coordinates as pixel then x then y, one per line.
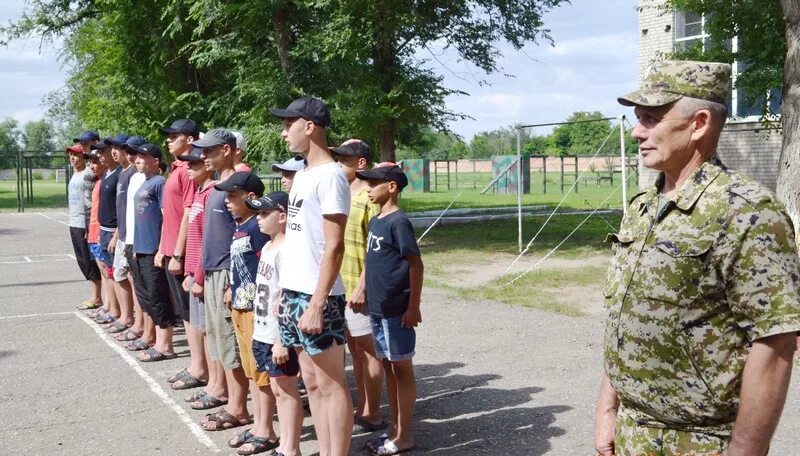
pixel 37 176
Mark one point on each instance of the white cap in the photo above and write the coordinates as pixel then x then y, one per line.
pixel 292 165
pixel 241 143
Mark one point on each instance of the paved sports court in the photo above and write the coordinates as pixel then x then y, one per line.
pixel 492 379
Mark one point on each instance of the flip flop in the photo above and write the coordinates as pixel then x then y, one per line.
pixel 153 355
pixel 137 345
pixel 390 449
pixel 362 426
pixel 241 438
pixel 96 313
pixel 189 381
pixel 88 305
pixel 373 444
pixel 208 401
pixel 260 445
pixel 105 319
pixel 128 336
pixel 223 421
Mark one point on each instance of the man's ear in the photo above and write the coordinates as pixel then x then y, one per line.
pixel 701 123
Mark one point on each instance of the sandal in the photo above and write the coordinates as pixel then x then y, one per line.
pixel 116 327
pixel 178 376
pixel 223 421
pixel 259 445
pixel 194 397
pixel 373 444
pixel 96 313
pixel 240 438
pixel 152 355
pixel 188 381
pixel 105 319
pixel 362 426
pixel 88 305
pixel 207 401
pixel 137 345
pixel 128 336
pixel 390 449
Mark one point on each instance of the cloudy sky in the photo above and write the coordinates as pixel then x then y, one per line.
pixel 592 62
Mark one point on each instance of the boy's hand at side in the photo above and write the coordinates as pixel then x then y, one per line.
pixel 412 317
pixel 175 267
pixel 280 354
pixel 158 260
pixel 197 290
pixel 185 284
pixel 358 300
pixel 227 298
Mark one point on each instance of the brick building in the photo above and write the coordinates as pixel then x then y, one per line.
pixel 745 145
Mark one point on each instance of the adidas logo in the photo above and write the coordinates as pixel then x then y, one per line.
pixel 294 207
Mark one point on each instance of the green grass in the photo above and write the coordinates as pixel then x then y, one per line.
pixel 46 193
pixel 541 289
pixel 587 196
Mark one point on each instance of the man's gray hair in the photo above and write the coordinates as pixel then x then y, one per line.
pixel 687 106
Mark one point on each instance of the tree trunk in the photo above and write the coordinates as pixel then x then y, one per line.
pixel 283 35
pixel 788 188
pixel 384 55
pixel 386 145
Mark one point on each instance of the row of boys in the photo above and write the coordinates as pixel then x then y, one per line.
pixel 255 279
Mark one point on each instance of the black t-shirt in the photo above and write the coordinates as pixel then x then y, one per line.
pixel 390 240
pixel 107 212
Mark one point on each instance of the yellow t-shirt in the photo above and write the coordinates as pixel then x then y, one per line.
pixel 355 239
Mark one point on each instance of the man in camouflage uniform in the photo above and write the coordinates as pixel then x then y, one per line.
pixel 703 291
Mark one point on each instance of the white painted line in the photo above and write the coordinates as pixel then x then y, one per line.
pixel 51 218
pixel 72 256
pixel 63 213
pixel 195 428
pixel 47 314
pixel 28 259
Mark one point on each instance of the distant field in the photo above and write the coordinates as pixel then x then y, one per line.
pixel 46 193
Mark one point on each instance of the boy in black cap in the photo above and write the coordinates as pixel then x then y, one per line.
pixel 246 245
pixel 394 273
pixel 312 314
pixel 151 283
pixel 355 155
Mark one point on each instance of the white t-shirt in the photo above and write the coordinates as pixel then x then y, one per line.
pixel 321 190
pixel 268 295
pixel 130 208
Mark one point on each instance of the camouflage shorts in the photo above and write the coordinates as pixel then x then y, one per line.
pixel 633 439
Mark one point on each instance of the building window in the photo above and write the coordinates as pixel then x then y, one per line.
pixel 691 35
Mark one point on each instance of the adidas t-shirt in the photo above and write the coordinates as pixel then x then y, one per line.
pixel 317 191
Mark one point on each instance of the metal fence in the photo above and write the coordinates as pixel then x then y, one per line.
pixel 38 178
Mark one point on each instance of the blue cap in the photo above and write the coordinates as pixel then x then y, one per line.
pixel 133 144
pixel 88 135
pixel 194 156
pixel 185 126
pixel 117 140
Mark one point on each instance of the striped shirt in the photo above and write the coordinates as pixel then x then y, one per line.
pixel 355 239
pixel 194 236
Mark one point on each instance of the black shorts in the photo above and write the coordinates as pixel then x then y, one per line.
pixel 179 296
pixel 153 287
pixel 83 256
pixel 262 352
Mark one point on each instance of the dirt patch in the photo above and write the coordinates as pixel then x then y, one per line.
pixel 495 265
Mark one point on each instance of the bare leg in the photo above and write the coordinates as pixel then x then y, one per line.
pixel 332 391
pixel 96 287
pixel 197 361
pixel 290 414
pixel 391 394
pixel 164 339
pixel 111 295
pixel 149 330
pixel 237 392
pixel 406 387
pixel 316 403
pixel 138 315
pixel 125 295
pixel 370 379
pixel 263 411
pixel 101 284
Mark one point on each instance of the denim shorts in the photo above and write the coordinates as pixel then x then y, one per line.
pixel 393 341
pixel 292 307
pixel 262 352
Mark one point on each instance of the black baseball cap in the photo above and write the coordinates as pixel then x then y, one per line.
pixel 392 173
pixel 88 135
pixel 185 126
pixel 242 180
pixel 353 148
pixel 102 145
pixel 308 108
pixel 133 144
pixel 117 140
pixel 194 156
pixel 151 150
pixel 216 137
pixel 273 200
pixel 94 154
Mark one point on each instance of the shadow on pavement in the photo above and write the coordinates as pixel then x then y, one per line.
pixel 461 414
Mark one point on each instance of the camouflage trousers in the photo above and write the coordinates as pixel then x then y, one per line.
pixel 633 439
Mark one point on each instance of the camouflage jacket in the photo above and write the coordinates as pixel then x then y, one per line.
pixel 687 292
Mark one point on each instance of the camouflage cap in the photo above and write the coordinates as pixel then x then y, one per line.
pixel 669 80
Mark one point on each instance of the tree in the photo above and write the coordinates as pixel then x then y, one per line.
pixel 135 66
pixel 583 138
pixel 769 46
pixel 38 137
pixel 9 143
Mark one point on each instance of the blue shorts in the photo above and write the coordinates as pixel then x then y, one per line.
pixel 292 307
pixel 262 352
pixel 105 240
pixel 393 341
pixel 101 254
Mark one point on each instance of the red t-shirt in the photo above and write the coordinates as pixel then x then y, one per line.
pixel 194 241
pixel 179 192
pixel 243 167
pixel 93 234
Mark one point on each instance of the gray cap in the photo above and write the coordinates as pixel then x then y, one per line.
pixel 291 165
pixel 216 137
pixel 241 143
